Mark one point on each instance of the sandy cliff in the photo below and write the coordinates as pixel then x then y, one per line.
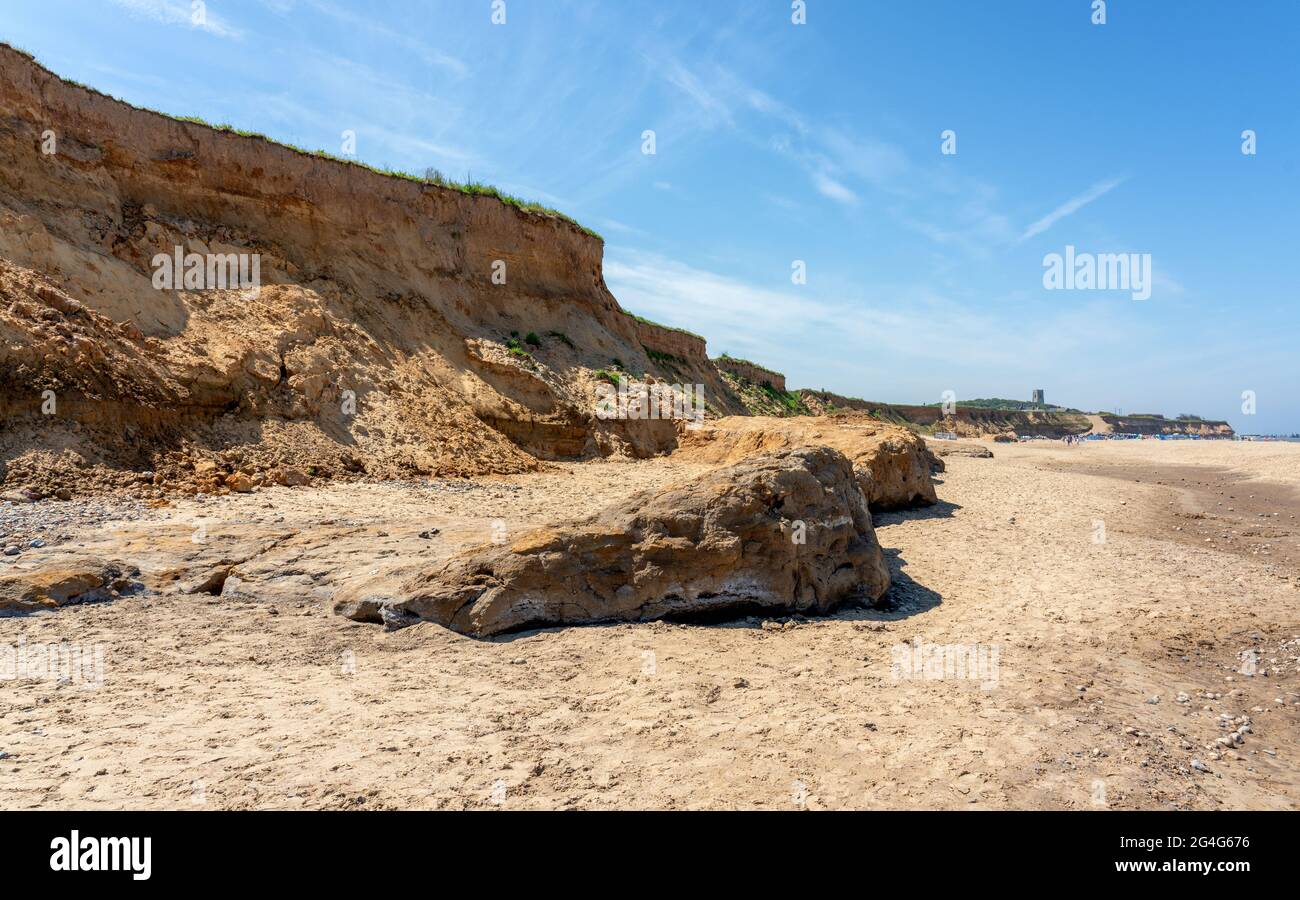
pixel 379 340
pixel 743 368
pixel 968 421
pixel 1160 425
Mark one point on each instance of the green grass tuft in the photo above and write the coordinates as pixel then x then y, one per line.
pixel 644 321
pixel 659 356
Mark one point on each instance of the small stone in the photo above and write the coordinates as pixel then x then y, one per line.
pixel 291 477
pixel 1200 766
pixel 12 551
pixel 239 483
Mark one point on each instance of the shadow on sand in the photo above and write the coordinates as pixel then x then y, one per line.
pixel 941 510
pixel 905 598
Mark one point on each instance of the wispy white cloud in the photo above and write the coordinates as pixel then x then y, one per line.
pixel 372 25
pixel 828 156
pixel 829 187
pixel 175 12
pixel 875 162
pixel 910 328
pixel 1071 206
pixel 715 105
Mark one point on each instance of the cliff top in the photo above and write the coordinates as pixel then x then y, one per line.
pixel 432 178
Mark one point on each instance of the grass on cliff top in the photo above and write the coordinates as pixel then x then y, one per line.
pixel 1000 403
pixel 746 362
pixel 473 188
pixel 644 321
pixel 434 177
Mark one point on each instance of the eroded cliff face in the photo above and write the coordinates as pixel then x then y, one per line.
pixel 379 340
pixel 751 372
pixel 969 421
pixel 964 420
pixel 683 358
pixel 1156 425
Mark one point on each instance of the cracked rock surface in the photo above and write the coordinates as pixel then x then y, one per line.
pixel 786 532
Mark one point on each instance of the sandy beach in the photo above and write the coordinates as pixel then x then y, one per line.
pixel 1123 607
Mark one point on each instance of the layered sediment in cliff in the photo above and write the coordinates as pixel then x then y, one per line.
pixel 744 369
pixel 399 326
pixel 965 421
pixel 1159 425
pixel 969 421
pixel 680 357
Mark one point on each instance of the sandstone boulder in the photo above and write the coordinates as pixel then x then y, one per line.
pixel 784 532
pixel 288 476
pixel 72 581
pixel 891 463
pixel 239 483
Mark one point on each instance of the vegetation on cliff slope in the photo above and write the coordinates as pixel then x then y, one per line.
pixel 765 400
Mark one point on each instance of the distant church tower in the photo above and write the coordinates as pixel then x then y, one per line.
pixel 1038 398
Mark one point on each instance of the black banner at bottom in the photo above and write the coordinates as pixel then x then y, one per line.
pixel 374 849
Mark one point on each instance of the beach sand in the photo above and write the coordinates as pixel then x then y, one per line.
pixel 1094 584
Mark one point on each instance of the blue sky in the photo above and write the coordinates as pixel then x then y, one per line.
pixel 820 142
